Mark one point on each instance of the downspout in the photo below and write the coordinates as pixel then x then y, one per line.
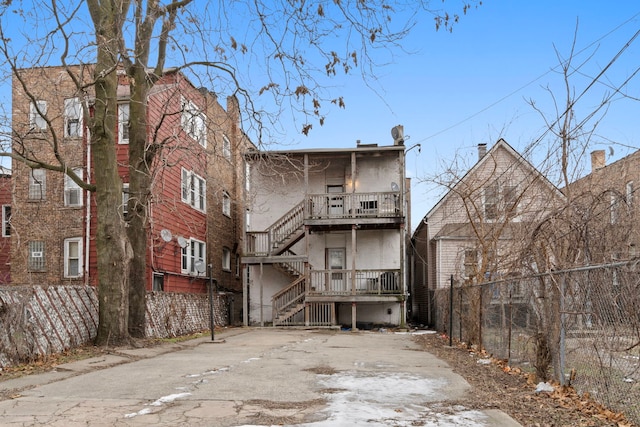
pixel 403 239
pixel 87 232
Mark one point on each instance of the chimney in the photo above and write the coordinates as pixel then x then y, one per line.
pixel 598 160
pixel 482 150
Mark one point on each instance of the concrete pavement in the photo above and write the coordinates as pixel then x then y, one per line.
pixel 264 376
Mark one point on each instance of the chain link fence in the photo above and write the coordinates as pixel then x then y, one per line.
pixel 589 317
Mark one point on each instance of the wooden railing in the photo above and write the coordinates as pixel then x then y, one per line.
pixel 289 298
pixel 354 205
pixel 364 282
pixel 263 243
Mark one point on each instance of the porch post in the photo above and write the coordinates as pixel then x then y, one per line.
pixel 353 317
pixel 353 259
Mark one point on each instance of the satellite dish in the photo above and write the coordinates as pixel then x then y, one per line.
pixel 182 242
pixel 397 133
pixel 394 187
pixel 199 266
pixel 165 235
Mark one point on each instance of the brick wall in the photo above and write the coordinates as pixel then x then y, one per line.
pixel 41 320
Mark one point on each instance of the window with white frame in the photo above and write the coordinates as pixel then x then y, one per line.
pixel 72 191
pixel 226 259
pixel 194 251
pixel 613 208
pixel 72 118
pixel 37 112
pixel 226 203
pixel 629 193
pixel 125 199
pixel 226 147
pixel 194 122
pixel 73 257
pixel 123 123
pixel 6 220
pixel 194 189
pixel 37 184
pixel 36 258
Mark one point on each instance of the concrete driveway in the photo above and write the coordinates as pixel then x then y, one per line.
pixel 256 377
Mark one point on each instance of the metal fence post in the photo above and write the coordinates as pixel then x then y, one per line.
pixel 451 313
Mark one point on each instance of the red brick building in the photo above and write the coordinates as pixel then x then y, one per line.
pixel 196 213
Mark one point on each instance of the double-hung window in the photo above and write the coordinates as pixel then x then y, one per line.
pixel 194 251
pixel 73 257
pixel 194 190
pixel 37 113
pixel 226 259
pixel 6 220
pixel 226 147
pixel 194 122
pixel 123 123
pixel 72 118
pixel 72 191
pixel 37 184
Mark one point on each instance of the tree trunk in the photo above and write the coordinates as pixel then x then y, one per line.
pixel 113 249
pixel 140 160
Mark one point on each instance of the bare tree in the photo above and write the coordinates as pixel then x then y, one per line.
pixel 291 42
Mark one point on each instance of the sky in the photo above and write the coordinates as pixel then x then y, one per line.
pixel 456 90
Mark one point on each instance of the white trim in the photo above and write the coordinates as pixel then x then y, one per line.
pixel 78 257
pixel 189 256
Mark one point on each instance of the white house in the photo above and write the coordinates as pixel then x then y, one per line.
pixel 475 232
pixel 325 239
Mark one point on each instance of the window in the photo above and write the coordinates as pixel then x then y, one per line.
pixel 629 193
pixel 73 257
pixel 158 281
pixel 125 198
pixel 194 122
pixel 500 201
pixel 6 220
pixel 491 194
pixel 72 118
pixel 226 203
pixel 194 251
pixel 510 198
pixel 470 262
pixel 37 184
pixel 72 191
pixel 123 123
pixel 194 190
pixel 35 262
pixel 613 214
pixel 237 265
pixel 226 259
pixel 37 112
pixel 226 147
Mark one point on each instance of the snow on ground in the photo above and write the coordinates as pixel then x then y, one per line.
pixel 389 399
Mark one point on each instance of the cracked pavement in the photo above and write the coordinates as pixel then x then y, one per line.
pixel 257 376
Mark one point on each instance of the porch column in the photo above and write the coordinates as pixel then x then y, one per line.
pixel 353 317
pixel 353 259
